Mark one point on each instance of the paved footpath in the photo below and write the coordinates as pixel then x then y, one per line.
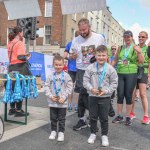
pixel 34 136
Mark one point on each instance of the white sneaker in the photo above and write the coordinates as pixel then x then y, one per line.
pixel 92 139
pixel 60 137
pixel 105 141
pixel 52 135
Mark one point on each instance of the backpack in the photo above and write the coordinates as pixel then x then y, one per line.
pixel 148 51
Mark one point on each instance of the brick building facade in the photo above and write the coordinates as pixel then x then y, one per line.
pixel 4 25
pixel 50 24
pixel 56 30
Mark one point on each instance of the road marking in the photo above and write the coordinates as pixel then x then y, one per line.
pixel 118 148
pixel 22 129
pixel 38 118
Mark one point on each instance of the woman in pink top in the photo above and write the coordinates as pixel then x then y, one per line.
pixel 18 62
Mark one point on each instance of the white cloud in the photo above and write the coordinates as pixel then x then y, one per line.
pixel 145 3
pixel 136 29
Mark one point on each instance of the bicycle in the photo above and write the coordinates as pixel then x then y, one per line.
pixel 1 127
pixel 1 119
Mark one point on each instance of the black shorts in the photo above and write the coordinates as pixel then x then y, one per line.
pixel 72 75
pixel 144 79
pixel 79 82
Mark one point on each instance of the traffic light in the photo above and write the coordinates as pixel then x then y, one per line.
pixel 29 26
pixel 34 29
pixel 21 22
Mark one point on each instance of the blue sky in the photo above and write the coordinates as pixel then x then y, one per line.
pixel 132 14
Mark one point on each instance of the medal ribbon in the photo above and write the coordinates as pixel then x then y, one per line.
pixel 126 52
pixel 57 90
pixel 101 76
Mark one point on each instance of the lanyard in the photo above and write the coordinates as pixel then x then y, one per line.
pixel 126 52
pixel 57 90
pixel 143 48
pixel 101 76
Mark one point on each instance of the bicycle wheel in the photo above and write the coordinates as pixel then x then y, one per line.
pixel 1 127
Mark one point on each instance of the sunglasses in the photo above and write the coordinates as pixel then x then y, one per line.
pixel 142 37
pixel 113 49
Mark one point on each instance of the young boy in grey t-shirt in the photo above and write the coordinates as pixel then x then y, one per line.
pixel 100 80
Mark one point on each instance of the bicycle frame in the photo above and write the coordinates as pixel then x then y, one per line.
pixel 1 127
pixel 1 119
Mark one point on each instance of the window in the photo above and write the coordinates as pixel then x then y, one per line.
pixel 116 29
pixel 104 26
pixel 47 34
pixel 98 13
pixel 48 8
pixel 112 37
pixel 10 30
pixel 83 15
pixel 115 40
pixel 91 21
pixel 97 28
pixel 113 26
pixel 118 40
pixel 74 17
pixel 72 33
pixel 107 40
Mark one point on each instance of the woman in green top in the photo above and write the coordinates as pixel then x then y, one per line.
pixel 126 58
pixel 148 54
pixel 143 78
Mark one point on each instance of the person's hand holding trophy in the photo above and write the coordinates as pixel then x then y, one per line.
pixel 98 92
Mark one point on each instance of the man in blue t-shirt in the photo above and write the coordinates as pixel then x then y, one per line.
pixel 112 57
pixel 71 71
pixel 113 52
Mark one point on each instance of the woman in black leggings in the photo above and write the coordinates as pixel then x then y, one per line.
pixel 126 58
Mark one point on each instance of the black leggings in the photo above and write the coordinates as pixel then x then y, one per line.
pixel 126 85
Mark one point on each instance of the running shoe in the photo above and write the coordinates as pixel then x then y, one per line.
pixel 132 115
pixel 145 120
pixel 70 108
pixel 12 111
pixel 128 121
pixel 80 125
pixel 76 109
pixel 118 119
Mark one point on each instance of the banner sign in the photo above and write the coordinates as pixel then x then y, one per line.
pixel 41 65
pixel 80 6
pixel 37 64
pixel 4 61
pixel 48 61
pixel 18 9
